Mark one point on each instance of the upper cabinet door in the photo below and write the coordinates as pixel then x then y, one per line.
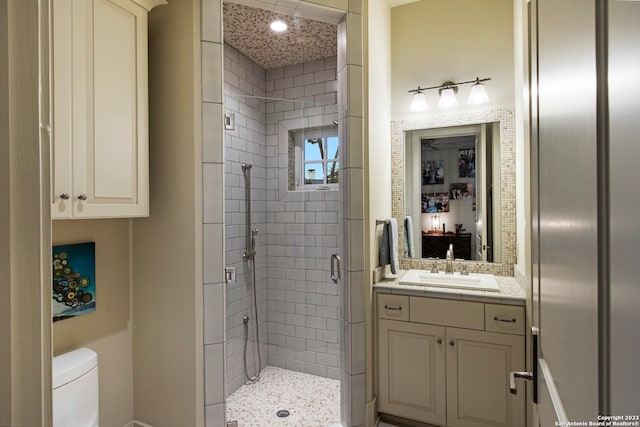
pixel 100 109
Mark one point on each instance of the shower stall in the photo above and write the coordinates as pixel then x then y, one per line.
pixel 292 207
pixel 281 222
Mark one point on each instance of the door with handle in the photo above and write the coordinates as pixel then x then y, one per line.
pixel 564 233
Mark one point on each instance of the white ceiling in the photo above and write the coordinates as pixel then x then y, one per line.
pixel 312 32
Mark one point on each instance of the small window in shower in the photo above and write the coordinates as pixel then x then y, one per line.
pixel 316 164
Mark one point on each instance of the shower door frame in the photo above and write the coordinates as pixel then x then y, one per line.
pixel 351 217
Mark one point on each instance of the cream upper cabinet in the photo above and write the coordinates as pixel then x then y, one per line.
pixel 100 105
pixel 438 364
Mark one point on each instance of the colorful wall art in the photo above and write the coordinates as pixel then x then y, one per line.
pixel 74 283
pixel 432 172
pixel 467 163
pixel 435 202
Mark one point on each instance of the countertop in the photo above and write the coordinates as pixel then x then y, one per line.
pixel 510 291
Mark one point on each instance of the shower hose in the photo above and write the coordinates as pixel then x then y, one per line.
pixel 251 380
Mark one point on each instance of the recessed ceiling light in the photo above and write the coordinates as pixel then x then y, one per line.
pixel 279 26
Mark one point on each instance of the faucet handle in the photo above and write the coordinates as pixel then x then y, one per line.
pixel 463 267
pixel 434 266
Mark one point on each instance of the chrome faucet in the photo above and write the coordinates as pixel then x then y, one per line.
pixel 449 266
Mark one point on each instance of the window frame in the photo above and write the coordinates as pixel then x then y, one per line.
pixel 301 136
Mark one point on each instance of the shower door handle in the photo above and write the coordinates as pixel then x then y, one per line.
pixel 335 259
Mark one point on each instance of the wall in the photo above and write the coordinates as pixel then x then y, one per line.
pixel 244 79
pixel 167 249
pixel 459 40
pixel 302 227
pixel 523 195
pixel 377 133
pixel 108 330
pixel 489 52
pixel 212 191
pixel 25 222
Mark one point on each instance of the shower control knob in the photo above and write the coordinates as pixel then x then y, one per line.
pixel 254 232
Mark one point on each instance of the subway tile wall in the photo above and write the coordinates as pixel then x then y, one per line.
pixel 303 302
pixel 298 304
pixel 244 90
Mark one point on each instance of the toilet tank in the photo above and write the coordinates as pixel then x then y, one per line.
pixel 75 389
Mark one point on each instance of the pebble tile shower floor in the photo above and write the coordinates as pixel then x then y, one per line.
pixel 312 401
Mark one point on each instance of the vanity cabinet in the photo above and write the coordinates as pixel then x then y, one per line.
pixel 438 364
pixel 100 108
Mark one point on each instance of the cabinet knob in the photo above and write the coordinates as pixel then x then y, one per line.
pixel 439 340
pixel 452 343
pixel 65 196
pixel 82 197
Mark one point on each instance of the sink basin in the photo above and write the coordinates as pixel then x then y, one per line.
pixel 478 282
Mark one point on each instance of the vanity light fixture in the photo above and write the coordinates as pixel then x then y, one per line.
pixel 448 95
pixel 478 94
pixel 418 102
pixel 448 91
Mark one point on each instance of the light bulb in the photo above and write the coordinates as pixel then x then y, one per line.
pixel 448 98
pixel 279 26
pixel 478 95
pixel 418 103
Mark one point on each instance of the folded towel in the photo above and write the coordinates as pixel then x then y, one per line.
pixel 408 237
pixel 393 246
pixel 385 256
pixel 389 245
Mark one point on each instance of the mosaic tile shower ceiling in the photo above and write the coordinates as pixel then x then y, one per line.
pixel 247 30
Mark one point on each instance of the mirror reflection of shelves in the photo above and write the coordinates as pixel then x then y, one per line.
pixel 435 245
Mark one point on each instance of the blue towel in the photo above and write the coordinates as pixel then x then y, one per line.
pixel 389 245
pixel 408 237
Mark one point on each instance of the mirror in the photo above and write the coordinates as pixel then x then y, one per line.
pixel 454 176
pixel 449 191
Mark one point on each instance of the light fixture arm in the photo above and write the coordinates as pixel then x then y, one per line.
pixel 449 84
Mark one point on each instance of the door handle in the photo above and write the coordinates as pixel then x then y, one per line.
pixel 512 379
pixel 336 277
pixel 529 376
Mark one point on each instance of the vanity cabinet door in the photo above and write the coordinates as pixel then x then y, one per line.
pixel 411 371
pixel 478 366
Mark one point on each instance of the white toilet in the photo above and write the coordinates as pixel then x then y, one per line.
pixel 75 389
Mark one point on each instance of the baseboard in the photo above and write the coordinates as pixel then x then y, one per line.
pixel 135 423
pixel 370 413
